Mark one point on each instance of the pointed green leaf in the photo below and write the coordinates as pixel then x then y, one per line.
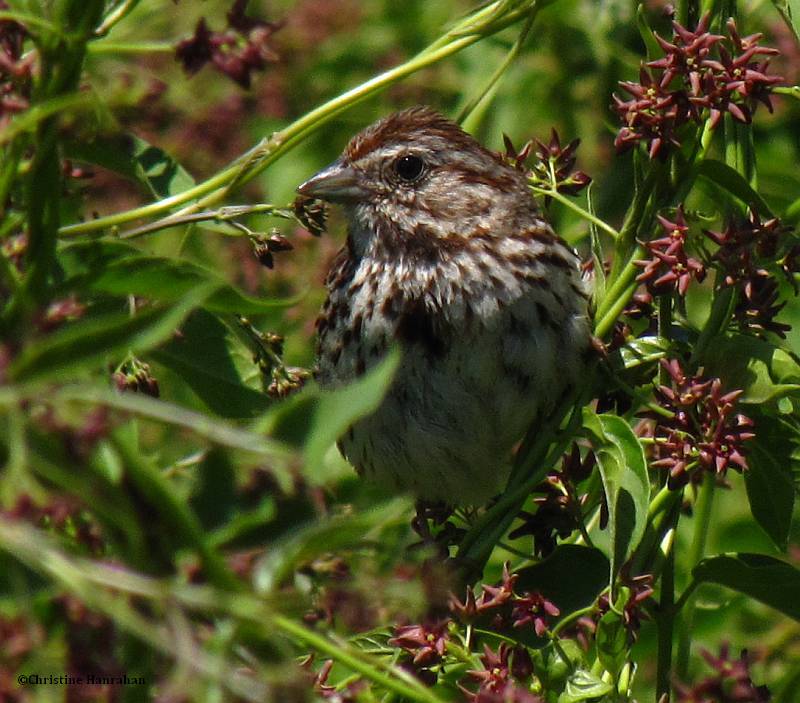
pixel 337 410
pixel 135 159
pixel 170 280
pixel 763 370
pixel 572 577
pixel 789 10
pixel 654 51
pixel 326 535
pixel 203 357
pixel 214 498
pixel 584 686
pixel 765 578
pixel 612 642
pixel 771 455
pixel 642 350
pixel 89 342
pixel 730 180
pixel 623 469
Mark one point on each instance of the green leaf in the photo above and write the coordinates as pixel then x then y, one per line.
pixel 763 370
pixel 168 509
pixel 623 469
pixel 88 343
pixel 654 51
pixel 642 350
pixel 203 357
pixel 322 536
pixel 730 180
pixel 789 10
pixel 88 258
pixel 29 119
pixel 769 580
pixel 572 577
pixel 584 686
pixel 214 499
pixel 612 642
pixel 170 280
pixel 243 523
pixel 277 457
pixel 337 410
pixel 598 256
pixel 770 488
pixel 135 159
pixel 554 665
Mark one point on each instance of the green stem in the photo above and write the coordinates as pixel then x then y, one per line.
pixel 619 284
pixel 61 64
pixel 791 91
pixel 686 595
pixel 175 513
pixel 666 625
pixel 30 20
pixel 585 214
pixel 635 218
pixel 626 283
pixel 702 517
pixel 664 327
pixel 153 47
pixel 483 95
pixel 91 582
pixel 533 460
pixel 571 618
pixel 223 214
pixel 115 16
pixel 721 309
pixel 404 685
pixel 663 501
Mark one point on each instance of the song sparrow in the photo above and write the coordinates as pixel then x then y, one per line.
pixel 447 255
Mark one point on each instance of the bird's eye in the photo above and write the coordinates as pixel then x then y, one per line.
pixel 409 167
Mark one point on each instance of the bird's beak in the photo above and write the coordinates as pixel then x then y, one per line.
pixel 338 184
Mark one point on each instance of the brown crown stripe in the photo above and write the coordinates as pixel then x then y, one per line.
pixel 421 122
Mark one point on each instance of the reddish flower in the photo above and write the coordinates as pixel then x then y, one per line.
pixel 744 244
pixel 683 56
pixel 349 693
pixel 495 596
pixel 517 158
pixel 641 588
pixel 698 74
pixel 426 642
pixel 264 247
pixel 731 682
pixel 467 610
pixel 510 608
pixel 670 267
pixel 652 115
pixel 554 167
pixel 533 608
pixel 238 51
pixel 60 311
pixel 558 508
pixel 497 684
pixel 758 306
pixel 747 249
pixel 704 434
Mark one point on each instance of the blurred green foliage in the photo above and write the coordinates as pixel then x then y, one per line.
pixel 208 538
